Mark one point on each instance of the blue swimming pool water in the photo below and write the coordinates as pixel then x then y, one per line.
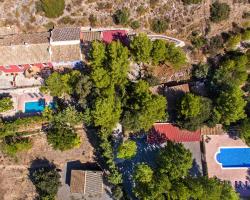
pixel 37 106
pixel 234 157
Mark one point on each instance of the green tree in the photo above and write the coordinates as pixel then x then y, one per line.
pixel 230 105
pixel 141 47
pixel 158 51
pixel 97 53
pixel 245 130
pixel 159 25
pixel 101 77
pixel 233 69
pixel 219 12
pixel 215 44
pixel 117 192
pixel 53 8
pixel 68 116
pixel 200 71
pixel 60 85
pixel 175 56
pixel 127 150
pixel 62 137
pixel 199 42
pixel 174 160
pixel 117 59
pixel 142 108
pixel 143 173
pixel 106 112
pixel 194 111
pixel 46 181
pixel 6 104
pixel 121 16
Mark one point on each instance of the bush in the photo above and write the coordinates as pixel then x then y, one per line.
pixel 46 181
pixel 219 12
pixel 159 25
pixel 233 41
pixel 216 43
pixel 200 71
pixel 6 104
pixel 63 137
pixel 188 2
pixel 199 42
pixel 11 147
pixel 127 150
pixel 92 20
pixel 53 8
pixel 121 16
pixel 246 35
pixel 135 24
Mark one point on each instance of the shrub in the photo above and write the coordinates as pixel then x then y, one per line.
pixel 6 104
pixel 199 42
pixel 121 16
pixel 135 24
pixel 159 25
pixel 11 147
pixel 246 35
pixel 215 44
pixel 127 150
pixel 153 3
pixel 219 12
pixel 200 71
pixel 53 8
pixel 233 41
pixel 62 137
pixel 46 181
pixel 188 2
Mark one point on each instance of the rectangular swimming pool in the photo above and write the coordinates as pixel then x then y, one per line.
pixel 34 107
pixel 235 157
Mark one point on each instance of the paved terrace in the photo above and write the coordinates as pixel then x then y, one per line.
pixel 212 144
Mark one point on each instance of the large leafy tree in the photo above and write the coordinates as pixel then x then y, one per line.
pixel 60 85
pixel 6 104
pixel 62 137
pixel 117 61
pixel 46 181
pixel 143 173
pixel 233 69
pixel 174 161
pixel 158 51
pixel 194 111
pixel 127 150
pixel 141 47
pixel 230 104
pixel 142 108
pixel 175 56
pixel 97 53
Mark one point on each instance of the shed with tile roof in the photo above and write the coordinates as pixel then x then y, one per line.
pixel 86 182
pixel 65 35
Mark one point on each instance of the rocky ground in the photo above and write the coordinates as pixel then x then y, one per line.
pixel 26 16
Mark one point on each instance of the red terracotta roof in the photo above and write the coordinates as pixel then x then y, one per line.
pixel 161 132
pixel 22 68
pixel 109 36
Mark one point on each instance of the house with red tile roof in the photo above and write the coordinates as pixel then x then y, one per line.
pixel 162 132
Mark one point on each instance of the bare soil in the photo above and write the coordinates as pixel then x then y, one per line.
pixel 14 181
pixel 23 15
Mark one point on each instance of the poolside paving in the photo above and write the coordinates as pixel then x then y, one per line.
pixel 212 144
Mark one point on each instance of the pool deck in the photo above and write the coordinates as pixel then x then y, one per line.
pixel 214 169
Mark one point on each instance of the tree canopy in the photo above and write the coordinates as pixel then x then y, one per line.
pixel 121 16
pixel 193 111
pixel 142 108
pixel 158 51
pixel 219 11
pixel 46 181
pixel 141 47
pixel 159 25
pixel 6 104
pixel 53 8
pixel 60 85
pixel 127 149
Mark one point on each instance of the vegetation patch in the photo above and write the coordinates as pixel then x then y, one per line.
pixel 53 8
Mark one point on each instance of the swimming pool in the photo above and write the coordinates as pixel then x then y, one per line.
pixel 37 106
pixel 233 157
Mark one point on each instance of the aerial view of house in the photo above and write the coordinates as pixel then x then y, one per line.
pixel 140 100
